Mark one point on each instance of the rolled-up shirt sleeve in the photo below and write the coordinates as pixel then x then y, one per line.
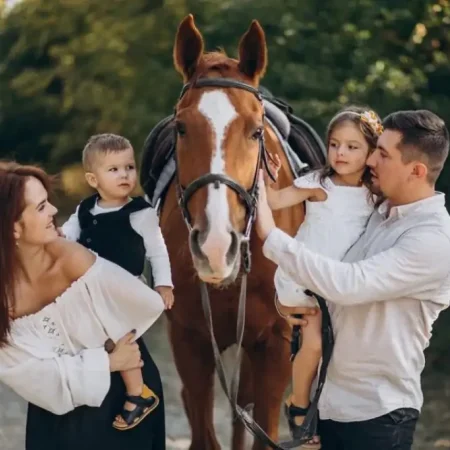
pixel 417 263
pixel 60 383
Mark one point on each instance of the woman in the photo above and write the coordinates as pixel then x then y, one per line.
pixel 59 304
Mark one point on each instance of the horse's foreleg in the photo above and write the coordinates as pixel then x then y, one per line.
pixel 271 376
pixel 245 396
pixel 195 364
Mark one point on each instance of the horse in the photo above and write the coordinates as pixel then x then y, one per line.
pixel 221 139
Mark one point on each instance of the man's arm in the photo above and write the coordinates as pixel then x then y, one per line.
pixel 418 262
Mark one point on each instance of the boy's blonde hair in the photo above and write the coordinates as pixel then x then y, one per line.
pixel 102 144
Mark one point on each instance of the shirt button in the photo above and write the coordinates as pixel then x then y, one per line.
pixel 95 222
pixel 88 240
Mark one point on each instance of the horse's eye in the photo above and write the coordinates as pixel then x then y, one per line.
pixel 181 128
pixel 257 134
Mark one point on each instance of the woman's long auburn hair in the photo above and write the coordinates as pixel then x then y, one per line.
pixel 13 177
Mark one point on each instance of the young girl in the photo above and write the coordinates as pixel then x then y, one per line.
pixel 338 205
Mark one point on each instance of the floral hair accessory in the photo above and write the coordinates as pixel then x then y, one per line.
pixel 372 120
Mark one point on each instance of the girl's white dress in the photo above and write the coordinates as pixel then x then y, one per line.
pixel 330 228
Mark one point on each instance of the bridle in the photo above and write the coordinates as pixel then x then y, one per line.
pixel 248 197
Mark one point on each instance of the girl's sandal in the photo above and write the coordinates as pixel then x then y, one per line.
pixel 297 431
pixel 144 406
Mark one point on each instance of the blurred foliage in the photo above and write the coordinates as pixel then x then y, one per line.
pixel 71 68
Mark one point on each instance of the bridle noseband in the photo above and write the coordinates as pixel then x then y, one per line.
pixel 248 197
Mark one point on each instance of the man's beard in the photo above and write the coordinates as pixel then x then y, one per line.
pixel 375 190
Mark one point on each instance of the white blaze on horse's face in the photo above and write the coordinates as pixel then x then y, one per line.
pixel 217 108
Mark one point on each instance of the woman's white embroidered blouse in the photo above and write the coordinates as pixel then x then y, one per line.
pixel 55 358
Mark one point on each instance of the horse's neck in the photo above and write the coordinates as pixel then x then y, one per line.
pixel 288 219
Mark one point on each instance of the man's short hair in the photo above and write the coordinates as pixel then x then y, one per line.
pixel 424 138
pixel 102 144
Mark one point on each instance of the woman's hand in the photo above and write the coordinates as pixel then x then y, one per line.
pixel 126 354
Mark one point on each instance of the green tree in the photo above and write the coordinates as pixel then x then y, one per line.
pixel 73 68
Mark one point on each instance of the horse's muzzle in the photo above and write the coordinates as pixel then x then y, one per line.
pixel 215 264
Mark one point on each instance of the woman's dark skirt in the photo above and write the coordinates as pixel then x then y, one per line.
pixel 87 428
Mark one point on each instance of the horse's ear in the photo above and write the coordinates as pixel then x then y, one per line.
pixel 253 52
pixel 188 47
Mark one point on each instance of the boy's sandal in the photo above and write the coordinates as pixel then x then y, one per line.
pixel 144 406
pixel 297 431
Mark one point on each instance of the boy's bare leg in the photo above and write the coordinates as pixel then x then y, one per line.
pixel 134 384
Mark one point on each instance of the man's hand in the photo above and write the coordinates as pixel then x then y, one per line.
pixel 166 292
pixel 274 165
pixel 264 218
pixel 288 312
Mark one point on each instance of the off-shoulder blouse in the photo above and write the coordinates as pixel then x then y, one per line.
pixel 55 358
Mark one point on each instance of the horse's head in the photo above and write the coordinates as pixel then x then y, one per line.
pixel 219 146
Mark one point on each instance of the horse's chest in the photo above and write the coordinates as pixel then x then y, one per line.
pixel 188 312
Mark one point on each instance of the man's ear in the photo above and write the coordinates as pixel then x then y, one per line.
pixel 419 170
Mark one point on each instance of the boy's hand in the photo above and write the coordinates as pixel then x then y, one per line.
pixel 274 163
pixel 318 195
pixel 166 292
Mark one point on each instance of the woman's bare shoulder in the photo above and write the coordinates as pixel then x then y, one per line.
pixel 73 259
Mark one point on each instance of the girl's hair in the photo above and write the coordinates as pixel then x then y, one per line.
pixel 367 121
pixel 13 178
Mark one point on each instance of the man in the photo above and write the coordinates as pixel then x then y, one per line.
pixel 387 292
